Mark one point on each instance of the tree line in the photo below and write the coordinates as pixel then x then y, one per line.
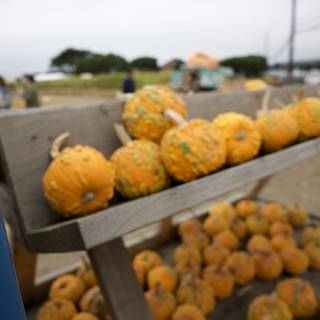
pixel 81 61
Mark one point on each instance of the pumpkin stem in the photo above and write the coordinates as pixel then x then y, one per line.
pixel 57 143
pixel 175 117
pixel 265 103
pixel 241 136
pixel 122 134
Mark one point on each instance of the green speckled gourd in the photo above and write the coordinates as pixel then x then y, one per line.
pixel 193 150
pixel 139 169
pixel 143 113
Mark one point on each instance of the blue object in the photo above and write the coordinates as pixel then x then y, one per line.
pixel 128 86
pixel 11 306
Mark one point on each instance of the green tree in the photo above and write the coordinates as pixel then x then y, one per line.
pixel 248 65
pixel 68 59
pixel 145 63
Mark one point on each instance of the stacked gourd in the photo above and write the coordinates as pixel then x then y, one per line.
pixel 232 246
pixel 80 180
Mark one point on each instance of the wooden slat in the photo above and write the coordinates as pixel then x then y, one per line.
pixel 123 218
pixel 122 292
pixel 26 137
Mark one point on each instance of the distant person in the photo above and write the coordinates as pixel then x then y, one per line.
pixel 129 85
pixel 5 95
pixel 30 92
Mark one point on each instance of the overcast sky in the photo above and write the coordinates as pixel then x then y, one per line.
pixel 33 31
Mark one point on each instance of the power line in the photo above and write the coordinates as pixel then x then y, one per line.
pixel 312 20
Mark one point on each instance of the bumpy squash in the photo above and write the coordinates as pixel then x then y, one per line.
pixel 193 150
pixel 196 292
pixel 307 114
pixel 162 303
pixel 192 226
pixel 299 296
pixel 274 212
pixel 259 242
pixel 246 207
pixel 281 241
pixel 280 229
pixel 227 239
pixel 257 224
pixel 163 276
pixel 139 169
pixel 295 261
pixel 220 279
pixel 143 113
pixel 84 316
pixel 93 302
pixel 215 254
pixel 69 287
pixel 87 275
pixel 268 264
pixel 278 130
pixel 254 85
pixel 146 260
pixel 188 311
pixel 242 266
pixel 242 136
pixel 313 251
pixel 297 215
pixel 239 228
pixel 200 239
pixel 57 309
pixel 78 181
pixel 269 307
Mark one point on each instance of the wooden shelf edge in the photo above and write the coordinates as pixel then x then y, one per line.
pixel 129 216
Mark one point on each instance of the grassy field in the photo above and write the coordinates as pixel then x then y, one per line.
pixel 106 81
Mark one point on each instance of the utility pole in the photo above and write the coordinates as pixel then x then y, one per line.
pixel 266 41
pixel 292 38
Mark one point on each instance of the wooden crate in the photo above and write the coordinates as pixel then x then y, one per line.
pixel 25 139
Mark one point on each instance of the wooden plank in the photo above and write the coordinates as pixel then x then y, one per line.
pixel 119 285
pixel 25 158
pixel 123 218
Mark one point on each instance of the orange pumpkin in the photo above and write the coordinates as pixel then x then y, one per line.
pixel 299 296
pixel 93 302
pixel 162 303
pixel 220 279
pixel 280 229
pixel 278 130
pixel 57 309
pixel 307 114
pixel 143 113
pixel 257 224
pixel 196 292
pixel 242 266
pixel 193 150
pixel 242 136
pixel 215 254
pixel 163 276
pixel 239 228
pixel 84 316
pixel 188 311
pixel 78 181
pixel 268 264
pixel 246 208
pixel 269 307
pixel 227 239
pixel 295 261
pixel 280 242
pixel 138 169
pixel 259 242
pixel 192 226
pixel 146 260
pixel 274 212
pixel 297 215
pixel 313 251
pixel 69 287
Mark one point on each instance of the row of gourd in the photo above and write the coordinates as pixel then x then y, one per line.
pixel 229 249
pixel 80 180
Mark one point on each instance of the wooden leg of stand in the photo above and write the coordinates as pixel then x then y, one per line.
pixel 259 187
pixel 25 264
pixel 122 292
pixel 166 230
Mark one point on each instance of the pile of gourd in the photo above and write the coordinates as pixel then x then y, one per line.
pixel 232 246
pixel 80 180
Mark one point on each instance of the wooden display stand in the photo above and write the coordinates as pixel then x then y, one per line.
pixel 26 137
